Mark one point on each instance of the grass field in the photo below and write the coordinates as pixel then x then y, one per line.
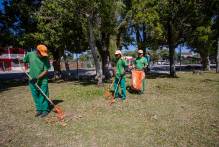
pixel 180 112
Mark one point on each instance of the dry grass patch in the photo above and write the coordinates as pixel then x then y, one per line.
pixel 182 111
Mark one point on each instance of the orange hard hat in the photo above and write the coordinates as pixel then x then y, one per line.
pixel 42 49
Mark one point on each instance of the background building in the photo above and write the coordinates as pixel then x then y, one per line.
pixel 8 59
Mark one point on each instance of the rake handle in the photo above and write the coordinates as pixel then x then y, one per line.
pixel 111 85
pixel 38 87
pixel 44 94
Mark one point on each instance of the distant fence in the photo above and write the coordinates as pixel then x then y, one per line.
pixel 73 65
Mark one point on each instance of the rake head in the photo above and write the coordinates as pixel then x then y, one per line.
pixel 108 94
pixel 59 113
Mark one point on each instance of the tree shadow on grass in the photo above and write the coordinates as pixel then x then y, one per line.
pixel 56 101
pixel 7 85
pixel 81 80
pixel 210 80
pixel 132 91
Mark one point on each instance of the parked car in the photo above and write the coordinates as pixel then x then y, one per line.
pixel 162 62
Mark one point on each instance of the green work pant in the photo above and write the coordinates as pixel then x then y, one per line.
pixel 143 85
pixel 41 103
pixel 122 84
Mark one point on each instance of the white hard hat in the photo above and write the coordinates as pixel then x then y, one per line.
pixel 140 51
pixel 118 52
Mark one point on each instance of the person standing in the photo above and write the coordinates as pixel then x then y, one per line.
pixel 140 64
pixel 120 79
pixel 39 65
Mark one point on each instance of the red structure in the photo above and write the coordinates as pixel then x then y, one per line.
pixel 8 58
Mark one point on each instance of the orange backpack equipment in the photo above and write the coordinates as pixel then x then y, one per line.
pixel 137 77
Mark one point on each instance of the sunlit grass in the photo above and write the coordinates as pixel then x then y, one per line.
pixel 182 111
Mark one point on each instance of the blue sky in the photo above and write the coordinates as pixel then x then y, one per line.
pixel 184 48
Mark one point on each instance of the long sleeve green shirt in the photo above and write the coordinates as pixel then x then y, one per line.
pixel 120 67
pixel 140 63
pixel 37 65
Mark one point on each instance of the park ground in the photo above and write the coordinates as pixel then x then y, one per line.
pixel 181 111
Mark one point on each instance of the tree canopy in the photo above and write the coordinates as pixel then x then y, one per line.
pixel 104 26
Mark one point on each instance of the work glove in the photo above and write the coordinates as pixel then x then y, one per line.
pixel 33 80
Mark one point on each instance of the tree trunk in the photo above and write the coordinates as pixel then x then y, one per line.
pixel 56 63
pixel 105 55
pixel 171 50
pixel 118 40
pixel 208 64
pixel 66 64
pixel 217 58
pixel 144 39
pixel 94 50
pixel 205 61
pixel 180 57
pixel 77 67
pixel 106 63
pixel 141 39
pixel 138 38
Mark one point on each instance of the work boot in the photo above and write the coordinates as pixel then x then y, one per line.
pixel 44 114
pixel 38 114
